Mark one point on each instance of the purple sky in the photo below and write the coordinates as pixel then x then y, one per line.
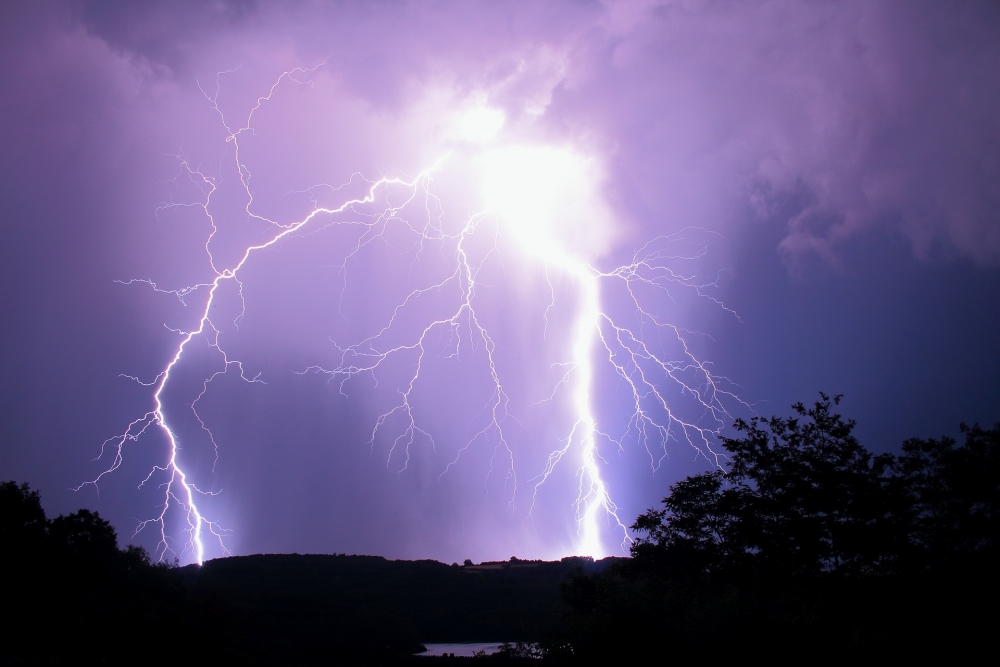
pixel 838 162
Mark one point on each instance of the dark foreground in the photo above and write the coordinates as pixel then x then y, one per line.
pixel 803 546
pixel 72 594
pixel 370 606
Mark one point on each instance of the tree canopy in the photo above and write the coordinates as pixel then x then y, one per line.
pixel 802 537
pixel 799 496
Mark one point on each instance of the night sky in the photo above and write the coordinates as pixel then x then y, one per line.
pixel 821 180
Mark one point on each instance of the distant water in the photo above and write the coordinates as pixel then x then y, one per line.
pixel 461 650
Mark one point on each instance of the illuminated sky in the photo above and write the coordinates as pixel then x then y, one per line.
pixel 804 197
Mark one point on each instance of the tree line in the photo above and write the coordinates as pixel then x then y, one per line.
pixel 70 592
pixel 805 544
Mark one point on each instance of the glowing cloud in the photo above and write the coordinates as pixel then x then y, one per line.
pixel 477 124
pixel 549 199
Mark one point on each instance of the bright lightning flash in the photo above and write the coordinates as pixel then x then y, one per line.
pixel 544 196
pixel 547 199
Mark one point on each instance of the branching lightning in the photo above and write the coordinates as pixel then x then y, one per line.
pixel 531 195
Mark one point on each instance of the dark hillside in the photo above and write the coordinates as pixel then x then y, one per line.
pixel 77 597
pixel 509 601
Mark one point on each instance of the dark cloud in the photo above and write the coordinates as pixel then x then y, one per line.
pixel 864 113
pixel 170 32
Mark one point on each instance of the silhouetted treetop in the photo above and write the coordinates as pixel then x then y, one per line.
pixel 23 524
pixel 84 533
pixel 798 495
pixel 804 540
pixel 955 494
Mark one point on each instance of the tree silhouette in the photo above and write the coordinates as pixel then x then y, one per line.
pixel 804 540
pixel 799 496
pixel 67 578
pixel 23 525
pixel 955 495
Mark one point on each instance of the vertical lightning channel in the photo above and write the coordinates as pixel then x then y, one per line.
pixel 593 499
pixel 645 369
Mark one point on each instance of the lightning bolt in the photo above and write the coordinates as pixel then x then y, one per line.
pixel 631 346
pixel 652 420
